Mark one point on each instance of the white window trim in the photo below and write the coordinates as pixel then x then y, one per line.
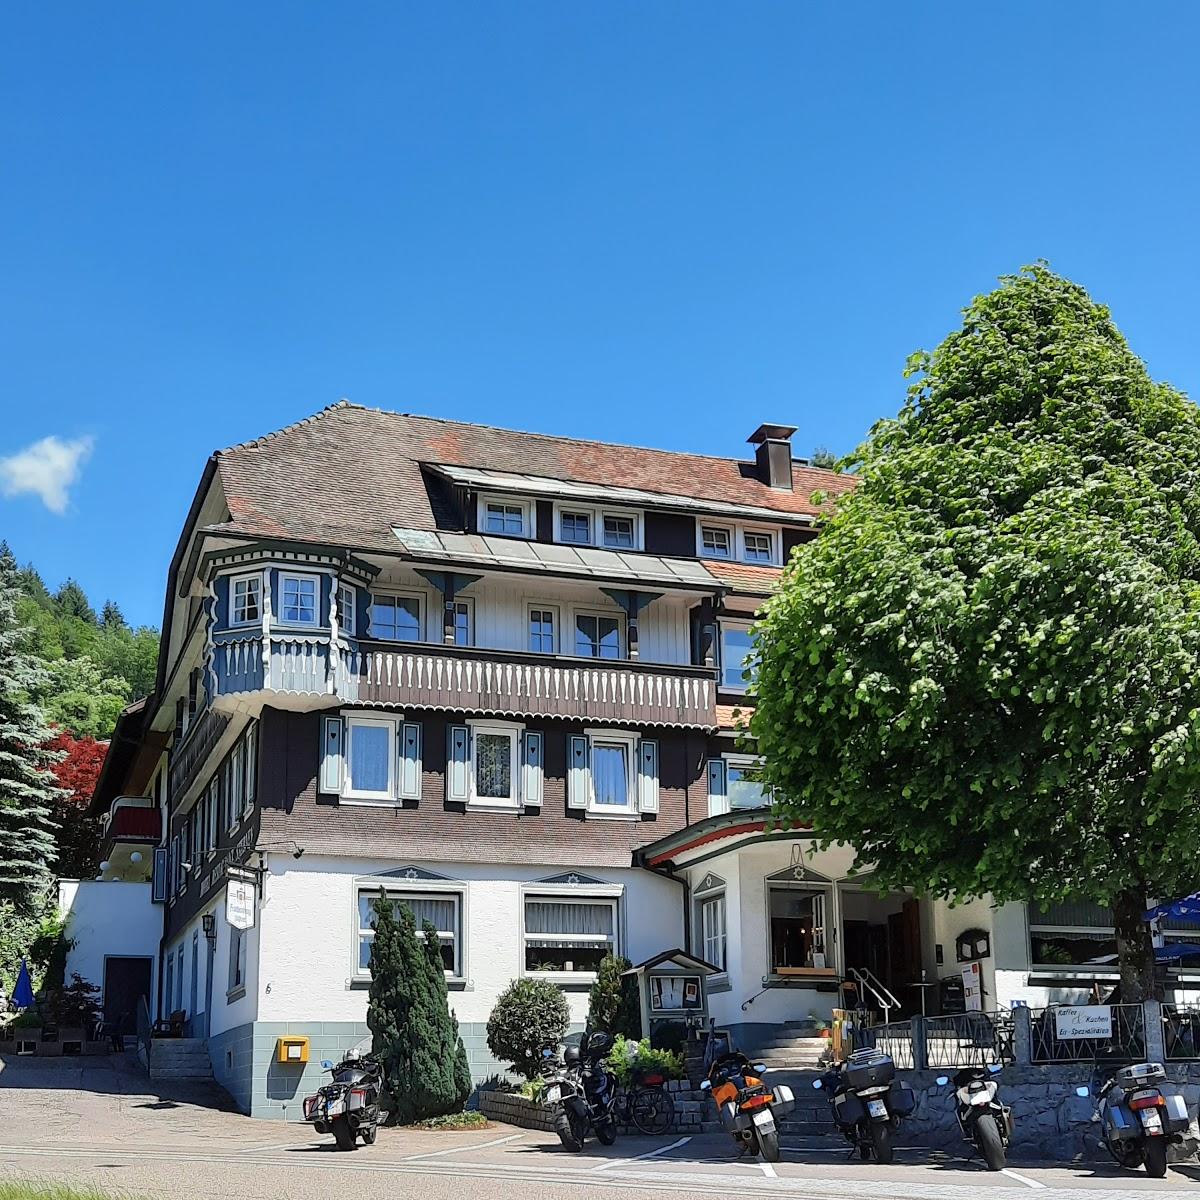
pixel 583 893
pixel 596 515
pixel 347 627
pixel 234 580
pixel 468 602
pixel 556 611
pixel 315 580
pixel 631 811
pixel 422 612
pixel 702 951
pixel 528 515
pixel 730 530
pixel 737 531
pixel 613 613
pixel 776 558
pixel 723 624
pixel 740 762
pixel 418 887
pixel 363 797
pixel 513 732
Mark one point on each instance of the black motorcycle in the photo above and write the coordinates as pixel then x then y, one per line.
pixel 868 1102
pixel 348 1106
pixel 984 1120
pixel 582 1091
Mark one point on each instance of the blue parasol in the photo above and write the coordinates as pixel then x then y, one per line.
pixel 23 992
pixel 1187 909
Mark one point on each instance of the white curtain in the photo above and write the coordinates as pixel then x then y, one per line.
pixel 370 747
pixel 610 776
pixel 550 921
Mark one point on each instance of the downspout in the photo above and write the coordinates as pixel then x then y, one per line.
pixel 668 872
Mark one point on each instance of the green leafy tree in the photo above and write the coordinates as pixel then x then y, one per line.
pixel 613 1002
pixel 985 673
pixel 529 1015
pixel 413 1031
pixel 79 697
pixel 27 785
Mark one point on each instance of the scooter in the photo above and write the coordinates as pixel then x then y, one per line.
pixel 582 1090
pixel 868 1102
pixel 348 1106
pixel 1139 1117
pixel 747 1107
pixel 983 1119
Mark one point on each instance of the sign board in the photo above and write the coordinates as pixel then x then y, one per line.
pixel 240 895
pixel 972 977
pixel 1073 1022
pixel 670 993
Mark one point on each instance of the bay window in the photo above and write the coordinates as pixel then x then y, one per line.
pixel 347 616
pixel 298 596
pixel 441 908
pixel 245 599
pixel 569 935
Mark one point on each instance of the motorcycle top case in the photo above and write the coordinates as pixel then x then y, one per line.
pixel 901 1099
pixel 869 1070
pixel 1140 1075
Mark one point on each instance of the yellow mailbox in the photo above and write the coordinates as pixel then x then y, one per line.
pixel 292 1050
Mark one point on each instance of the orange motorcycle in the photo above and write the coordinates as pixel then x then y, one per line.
pixel 746 1105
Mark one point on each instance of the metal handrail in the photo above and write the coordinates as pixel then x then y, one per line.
pixel 879 991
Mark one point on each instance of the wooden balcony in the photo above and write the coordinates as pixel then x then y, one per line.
pixel 134 819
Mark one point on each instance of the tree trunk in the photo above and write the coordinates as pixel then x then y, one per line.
pixel 1135 950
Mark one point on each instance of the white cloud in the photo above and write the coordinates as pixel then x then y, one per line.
pixel 46 469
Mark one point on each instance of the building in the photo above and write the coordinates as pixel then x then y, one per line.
pixel 497 676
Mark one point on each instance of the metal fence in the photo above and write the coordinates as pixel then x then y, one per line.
pixel 1181 1031
pixel 894 1039
pixel 1127 1039
pixel 970 1039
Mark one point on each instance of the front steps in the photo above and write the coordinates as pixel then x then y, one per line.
pixel 792 1053
pixel 180 1058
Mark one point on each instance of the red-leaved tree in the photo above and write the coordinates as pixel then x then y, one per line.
pixel 78 834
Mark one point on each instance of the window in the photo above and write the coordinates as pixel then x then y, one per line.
pixel 715 542
pixel 396 618
pixel 463 633
pixel 736 649
pixel 347 614
pixel 213 812
pixel 742 789
pixel 235 780
pixel 506 519
pixel 712 930
pixel 168 983
pixel 442 909
pixel 179 980
pixel 569 935
pixel 576 528
pixel 237 962
pixel 797 927
pixel 760 547
pixel 619 532
pixel 542 635
pixel 597 637
pixel 250 792
pixel 494 765
pixel 298 599
pixel 245 604
pixel 1072 934
pixel 614 788
pixel 370 758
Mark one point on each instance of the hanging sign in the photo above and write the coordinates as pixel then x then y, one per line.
pixel 972 978
pixel 1074 1022
pixel 239 903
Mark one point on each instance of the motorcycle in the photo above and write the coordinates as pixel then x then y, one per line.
pixel 868 1102
pixel 1139 1117
pixel 746 1106
pixel 348 1106
pixel 983 1119
pixel 582 1090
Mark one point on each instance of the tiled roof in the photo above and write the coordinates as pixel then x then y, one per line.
pixel 349 474
pixel 732 716
pixel 744 577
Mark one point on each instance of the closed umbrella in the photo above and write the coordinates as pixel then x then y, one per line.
pixel 23 992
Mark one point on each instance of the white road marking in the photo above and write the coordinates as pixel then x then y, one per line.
pixel 767 1170
pixel 1033 1183
pixel 267 1146
pixel 621 1162
pixel 516 1137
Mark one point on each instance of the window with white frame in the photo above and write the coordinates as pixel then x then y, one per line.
pixel 736 655
pixel 494 773
pixel 237 961
pixel 442 909
pixel 569 935
pixel 748 543
pixel 464 622
pixel 575 528
pixel 614 774
pixel 298 599
pixel 581 526
pixel 370 758
pixel 597 635
pixel 543 629
pixel 620 533
pixel 742 787
pixel 245 599
pixel 1073 933
pixel 712 930
pixel 508 518
pixel 250 791
pixel 347 616
pixel 758 547
pixel 396 618
pixel 235 781
pixel 716 541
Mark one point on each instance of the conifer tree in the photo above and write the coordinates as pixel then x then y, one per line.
pixel 613 1003
pixel 27 786
pixel 452 1053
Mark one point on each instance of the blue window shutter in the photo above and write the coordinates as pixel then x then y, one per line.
pixel 159 892
pixel 531 769
pixel 333 754
pixel 718 792
pixel 410 761
pixel 458 762
pixel 648 775
pixel 578 772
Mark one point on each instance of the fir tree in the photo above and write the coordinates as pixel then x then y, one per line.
pixel 27 786
pixel 452 1054
pixel 111 616
pixel 613 1004
pixel 72 601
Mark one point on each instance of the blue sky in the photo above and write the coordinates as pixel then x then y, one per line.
pixel 657 222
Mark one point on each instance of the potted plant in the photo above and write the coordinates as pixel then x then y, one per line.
pixel 76 1010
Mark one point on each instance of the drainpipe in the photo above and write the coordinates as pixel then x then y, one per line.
pixel 669 873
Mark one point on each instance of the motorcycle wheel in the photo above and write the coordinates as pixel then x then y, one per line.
pixel 1156 1157
pixel 768 1144
pixel 990 1143
pixel 881 1141
pixel 342 1133
pixel 368 1135
pixel 606 1131
pixel 566 1128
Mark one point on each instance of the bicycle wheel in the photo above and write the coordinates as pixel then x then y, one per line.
pixel 651 1110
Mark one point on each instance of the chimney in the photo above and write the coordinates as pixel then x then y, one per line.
pixel 773 454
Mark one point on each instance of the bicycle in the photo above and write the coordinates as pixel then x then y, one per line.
pixel 647 1105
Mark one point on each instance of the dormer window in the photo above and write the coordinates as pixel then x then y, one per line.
pixel 575 528
pixel 506 518
pixel 620 533
pixel 739 543
pixel 716 541
pixel 760 547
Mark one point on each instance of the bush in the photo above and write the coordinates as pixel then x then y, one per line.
pixel 628 1057
pixel 530 1015
pixel 613 1004
pixel 29 1019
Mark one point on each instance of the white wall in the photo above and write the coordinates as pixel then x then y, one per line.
pixel 947 923
pixel 308 933
pixel 108 919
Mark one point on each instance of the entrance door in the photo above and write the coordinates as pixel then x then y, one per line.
pixel 191 1012
pixel 904 945
pixel 126 980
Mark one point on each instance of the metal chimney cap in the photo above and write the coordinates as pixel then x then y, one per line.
pixel 771 433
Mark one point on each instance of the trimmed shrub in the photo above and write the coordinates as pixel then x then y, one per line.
pixel 530 1015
